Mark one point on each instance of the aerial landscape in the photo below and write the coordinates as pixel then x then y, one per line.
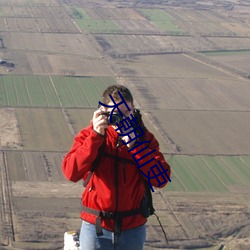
pixel 187 63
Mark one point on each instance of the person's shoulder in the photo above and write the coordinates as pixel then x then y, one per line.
pixel 149 136
pixel 85 131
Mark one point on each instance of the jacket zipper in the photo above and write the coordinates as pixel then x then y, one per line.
pixel 117 219
pixel 116 177
pixel 124 170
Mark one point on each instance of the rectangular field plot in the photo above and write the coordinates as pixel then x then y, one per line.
pixel 96 26
pixel 51 24
pixel 52 44
pixel 43 130
pixel 171 66
pixel 208 22
pixel 206 132
pixel 229 43
pixel 34 166
pixel 39 3
pixel 107 20
pixel 46 215
pixel 162 20
pixel 80 91
pixel 132 44
pixel 236 59
pixel 70 65
pixel 114 13
pixel 208 173
pixel 179 82
pixel 127 19
pixel 43 91
pixel 9 130
pixel 85 22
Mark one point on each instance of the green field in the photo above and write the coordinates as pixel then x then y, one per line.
pixel 161 19
pixel 79 13
pixel 55 91
pixel 226 53
pixel 87 23
pixel 92 25
pixel 208 173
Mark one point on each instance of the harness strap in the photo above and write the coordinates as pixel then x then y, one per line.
pixel 110 215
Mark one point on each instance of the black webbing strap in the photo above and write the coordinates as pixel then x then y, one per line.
pixel 109 215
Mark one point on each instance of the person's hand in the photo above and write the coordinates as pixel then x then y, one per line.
pixel 100 122
pixel 127 139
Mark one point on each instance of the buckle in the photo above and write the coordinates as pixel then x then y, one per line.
pixel 107 215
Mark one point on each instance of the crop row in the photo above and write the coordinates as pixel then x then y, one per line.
pixel 55 91
pixel 209 173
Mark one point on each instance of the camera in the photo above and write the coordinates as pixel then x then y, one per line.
pixel 116 117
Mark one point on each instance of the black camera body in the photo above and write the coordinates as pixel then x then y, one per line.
pixel 116 117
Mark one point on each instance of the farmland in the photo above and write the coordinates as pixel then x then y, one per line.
pixel 187 65
pixel 55 91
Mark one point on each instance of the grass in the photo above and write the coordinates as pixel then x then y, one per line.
pixel 3 97
pixel 22 92
pixel 85 22
pixel 10 91
pixel 49 92
pixel 156 15
pixel 36 94
pixel 208 173
pixel 226 53
pixel 63 91
pixel 162 20
pixel 56 91
pixel 93 25
pixel 79 13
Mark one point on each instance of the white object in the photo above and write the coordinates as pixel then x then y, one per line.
pixel 71 240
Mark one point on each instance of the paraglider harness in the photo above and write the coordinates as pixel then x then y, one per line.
pixel 146 208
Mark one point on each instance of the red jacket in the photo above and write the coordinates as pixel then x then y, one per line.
pixel 101 192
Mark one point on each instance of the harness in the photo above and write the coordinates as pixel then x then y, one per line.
pixel 146 208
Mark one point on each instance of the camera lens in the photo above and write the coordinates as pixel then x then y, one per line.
pixel 116 118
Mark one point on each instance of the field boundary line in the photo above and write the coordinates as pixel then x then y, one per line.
pixel 80 85
pixel 79 29
pixel 7 207
pixel 54 87
pixel 42 88
pixel 214 172
pixel 191 170
pixel 232 171
pixel 174 213
pixel 247 166
pixel 181 184
pixel 65 115
pixel 27 89
pixel 69 89
pixel 216 67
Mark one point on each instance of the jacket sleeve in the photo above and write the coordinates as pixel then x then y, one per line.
pixel 83 152
pixel 151 161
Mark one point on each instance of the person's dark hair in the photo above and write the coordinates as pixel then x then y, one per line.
pixel 113 91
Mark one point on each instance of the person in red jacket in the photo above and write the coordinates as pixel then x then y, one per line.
pixel 116 161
